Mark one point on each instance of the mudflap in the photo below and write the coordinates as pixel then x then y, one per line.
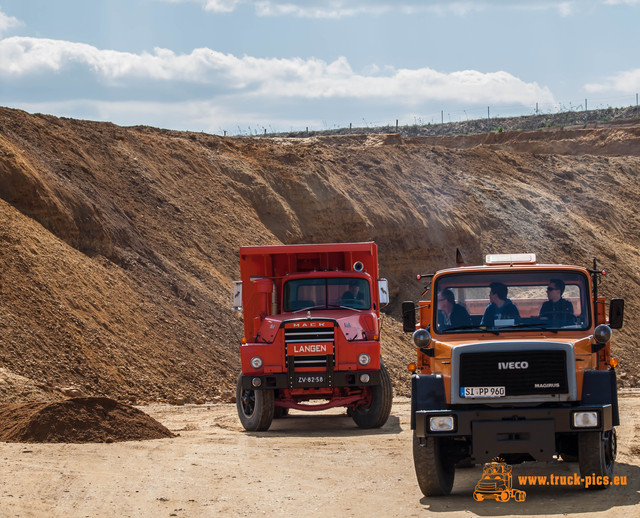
pixel 427 393
pixel 601 388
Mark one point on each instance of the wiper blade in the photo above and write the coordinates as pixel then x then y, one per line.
pixel 310 308
pixel 328 306
pixel 535 327
pixel 462 328
pixel 336 306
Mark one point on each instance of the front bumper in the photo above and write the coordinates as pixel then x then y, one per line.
pixel 336 379
pixel 499 431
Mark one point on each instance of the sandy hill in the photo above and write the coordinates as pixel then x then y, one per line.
pixel 118 245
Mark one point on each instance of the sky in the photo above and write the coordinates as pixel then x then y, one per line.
pixel 250 66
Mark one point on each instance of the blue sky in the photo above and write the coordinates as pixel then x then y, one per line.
pixel 242 66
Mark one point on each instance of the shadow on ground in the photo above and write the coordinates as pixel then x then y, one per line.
pixel 540 500
pixel 323 425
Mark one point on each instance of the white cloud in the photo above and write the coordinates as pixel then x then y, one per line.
pixel 333 10
pixel 405 86
pixel 269 78
pixel 204 115
pixel 7 22
pixel 566 8
pixel 215 6
pixel 627 82
pixel 221 6
pixel 338 9
pixel 23 55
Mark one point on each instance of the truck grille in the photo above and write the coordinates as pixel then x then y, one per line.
pixel 545 371
pixel 309 335
pixel 316 362
pixel 304 362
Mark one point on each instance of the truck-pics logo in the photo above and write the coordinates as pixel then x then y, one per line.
pixel 497 483
pixel 512 365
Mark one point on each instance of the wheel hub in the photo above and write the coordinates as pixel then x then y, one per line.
pixel 248 402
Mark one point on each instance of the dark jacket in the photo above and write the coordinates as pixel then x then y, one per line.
pixel 558 313
pixel 493 313
pixel 459 318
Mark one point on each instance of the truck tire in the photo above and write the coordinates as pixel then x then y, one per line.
pixel 434 471
pixel 596 456
pixel 255 408
pixel 377 413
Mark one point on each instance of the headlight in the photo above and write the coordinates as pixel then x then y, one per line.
pixel 441 423
pixel 364 378
pixel 602 333
pixel 585 419
pixel 421 337
pixel 256 362
pixel 364 359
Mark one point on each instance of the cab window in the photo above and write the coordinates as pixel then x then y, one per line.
pixel 509 301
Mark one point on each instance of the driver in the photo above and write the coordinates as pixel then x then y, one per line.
pixel 353 293
pixel 451 314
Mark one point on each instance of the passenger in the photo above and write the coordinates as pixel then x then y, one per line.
pixel 557 311
pixel 353 292
pixel 450 314
pixel 500 307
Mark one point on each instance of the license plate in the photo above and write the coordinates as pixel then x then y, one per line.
pixel 482 391
pixel 309 381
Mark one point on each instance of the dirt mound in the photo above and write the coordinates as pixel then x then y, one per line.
pixel 77 420
pixel 118 245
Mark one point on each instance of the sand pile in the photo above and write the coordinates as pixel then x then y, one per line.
pixel 77 420
pixel 118 245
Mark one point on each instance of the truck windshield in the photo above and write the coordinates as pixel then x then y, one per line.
pixel 326 293
pixel 511 301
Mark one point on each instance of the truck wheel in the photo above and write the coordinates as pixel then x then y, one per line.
pixel 434 471
pixel 596 456
pixel 255 408
pixel 377 413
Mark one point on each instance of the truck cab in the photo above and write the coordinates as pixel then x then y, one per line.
pixel 513 361
pixel 312 332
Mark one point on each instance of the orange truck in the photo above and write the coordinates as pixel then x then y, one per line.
pixel 513 361
pixel 311 332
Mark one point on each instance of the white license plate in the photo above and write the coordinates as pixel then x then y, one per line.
pixel 482 391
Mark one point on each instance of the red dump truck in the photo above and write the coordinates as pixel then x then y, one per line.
pixel 311 332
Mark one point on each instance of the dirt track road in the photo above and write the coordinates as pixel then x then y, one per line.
pixel 306 465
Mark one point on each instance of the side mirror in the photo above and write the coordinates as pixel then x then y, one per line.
pixel 616 313
pixel 236 296
pixel 408 316
pixel 383 291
